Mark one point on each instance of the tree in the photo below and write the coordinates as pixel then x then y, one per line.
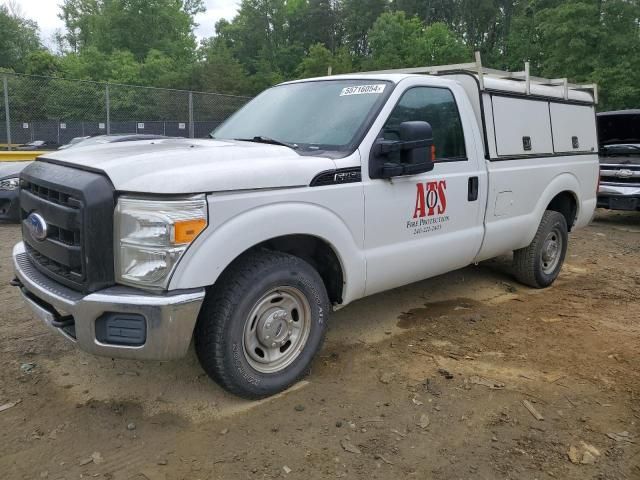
pixel 138 26
pixel 314 21
pixel 320 58
pixel 398 41
pixel 570 34
pixel 442 47
pixel 42 62
pixel 18 39
pixel 584 40
pixel 219 71
pixel 358 16
pixel 395 41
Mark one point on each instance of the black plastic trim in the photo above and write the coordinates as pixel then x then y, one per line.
pixel 78 166
pixel 541 155
pixel 86 264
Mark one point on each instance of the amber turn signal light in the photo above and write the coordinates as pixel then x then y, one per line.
pixel 185 231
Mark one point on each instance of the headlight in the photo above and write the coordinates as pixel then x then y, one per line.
pixel 9 183
pixel 152 235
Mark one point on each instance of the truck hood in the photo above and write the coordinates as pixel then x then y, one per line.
pixel 621 127
pixel 182 166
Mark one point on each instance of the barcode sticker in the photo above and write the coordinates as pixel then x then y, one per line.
pixel 363 89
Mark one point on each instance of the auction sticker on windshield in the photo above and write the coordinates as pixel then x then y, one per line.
pixel 363 89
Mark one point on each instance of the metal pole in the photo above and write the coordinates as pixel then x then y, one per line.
pixel 5 87
pixel 191 126
pixel 108 103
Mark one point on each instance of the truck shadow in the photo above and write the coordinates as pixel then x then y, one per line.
pixel 618 218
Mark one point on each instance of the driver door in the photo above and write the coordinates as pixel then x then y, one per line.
pixel 423 225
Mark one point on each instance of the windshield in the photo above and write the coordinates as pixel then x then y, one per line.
pixel 317 115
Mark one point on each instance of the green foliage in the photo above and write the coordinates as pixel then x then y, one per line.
pixel 18 39
pixel 397 41
pixel 42 62
pixel 219 71
pixel 151 42
pixel 137 26
pixel 358 17
pixel 584 40
pixel 320 58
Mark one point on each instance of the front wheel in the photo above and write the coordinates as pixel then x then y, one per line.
pixel 539 264
pixel 262 324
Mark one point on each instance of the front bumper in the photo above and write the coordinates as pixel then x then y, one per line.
pixel 169 318
pixel 619 197
pixel 9 206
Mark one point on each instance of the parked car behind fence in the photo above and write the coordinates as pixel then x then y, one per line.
pixel 58 110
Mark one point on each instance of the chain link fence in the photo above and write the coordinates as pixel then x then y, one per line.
pixel 55 110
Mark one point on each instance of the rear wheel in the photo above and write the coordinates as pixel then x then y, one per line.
pixel 539 264
pixel 262 324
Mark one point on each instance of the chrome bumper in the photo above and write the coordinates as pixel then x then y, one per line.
pixel 607 190
pixel 170 318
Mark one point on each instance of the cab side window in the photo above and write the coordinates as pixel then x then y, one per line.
pixel 438 107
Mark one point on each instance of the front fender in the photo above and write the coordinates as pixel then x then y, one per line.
pixel 219 245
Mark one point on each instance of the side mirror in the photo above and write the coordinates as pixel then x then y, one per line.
pixel 410 155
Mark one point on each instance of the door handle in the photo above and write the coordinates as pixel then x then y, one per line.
pixel 474 185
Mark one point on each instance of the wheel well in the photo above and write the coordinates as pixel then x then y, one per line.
pixel 319 254
pixel 566 204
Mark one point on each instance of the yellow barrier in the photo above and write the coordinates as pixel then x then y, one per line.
pixel 13 156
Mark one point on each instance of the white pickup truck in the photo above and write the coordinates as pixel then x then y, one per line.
pixel 315 194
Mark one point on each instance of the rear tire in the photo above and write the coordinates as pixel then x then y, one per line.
pixel 262 323
pixel 539 264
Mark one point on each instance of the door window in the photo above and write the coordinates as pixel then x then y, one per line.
pixel 438 107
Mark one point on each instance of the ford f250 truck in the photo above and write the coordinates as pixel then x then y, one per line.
pixel 317 193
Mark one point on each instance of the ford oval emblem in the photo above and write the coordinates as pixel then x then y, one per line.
pixel 37 226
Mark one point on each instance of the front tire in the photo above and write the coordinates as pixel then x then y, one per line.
pixel 539 264
pixel 262 324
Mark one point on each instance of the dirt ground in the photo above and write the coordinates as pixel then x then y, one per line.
pixel 425 382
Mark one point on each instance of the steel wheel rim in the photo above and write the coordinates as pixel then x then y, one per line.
pixel 277 329
pixel 551 251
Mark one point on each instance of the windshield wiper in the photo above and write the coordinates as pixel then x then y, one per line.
pixel 267 140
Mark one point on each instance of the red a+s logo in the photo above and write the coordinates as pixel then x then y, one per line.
pixel 431 198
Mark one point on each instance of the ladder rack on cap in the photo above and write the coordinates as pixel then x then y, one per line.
pixel 482 72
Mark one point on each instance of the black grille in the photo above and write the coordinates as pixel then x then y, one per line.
pixel 73 275
pixel 78 209
pixel 50 194
pixel 617 180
